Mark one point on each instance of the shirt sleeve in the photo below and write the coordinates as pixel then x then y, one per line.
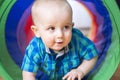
pixel 31 59
pixel 85 46
pixel 90 52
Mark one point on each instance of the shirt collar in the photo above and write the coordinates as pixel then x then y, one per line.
pixel 60 53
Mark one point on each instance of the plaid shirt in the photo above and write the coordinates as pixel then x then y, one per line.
pixel 38 57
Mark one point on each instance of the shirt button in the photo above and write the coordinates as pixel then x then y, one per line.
pixel 57 69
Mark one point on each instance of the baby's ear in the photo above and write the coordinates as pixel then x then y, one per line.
pixel 72 24
pixel 35 30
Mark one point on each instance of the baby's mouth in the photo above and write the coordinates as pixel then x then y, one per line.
pixel 59 42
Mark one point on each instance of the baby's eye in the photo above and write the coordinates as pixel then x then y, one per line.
pixel 51 28
pixel 66 27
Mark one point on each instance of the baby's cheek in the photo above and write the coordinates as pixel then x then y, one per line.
pixel 48 41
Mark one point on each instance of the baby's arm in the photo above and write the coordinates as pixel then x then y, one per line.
pixel 28 75
pixel 82 70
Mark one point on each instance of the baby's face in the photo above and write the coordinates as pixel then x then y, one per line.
pixel 55 29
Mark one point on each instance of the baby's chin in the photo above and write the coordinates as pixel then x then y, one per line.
pixel 58 50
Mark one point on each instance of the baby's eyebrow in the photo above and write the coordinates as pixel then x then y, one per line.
pixel 45 25
pixel 69 24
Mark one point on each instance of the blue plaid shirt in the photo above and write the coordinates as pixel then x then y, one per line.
pixel 38 58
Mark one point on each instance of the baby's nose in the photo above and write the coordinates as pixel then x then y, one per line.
pixel 59 34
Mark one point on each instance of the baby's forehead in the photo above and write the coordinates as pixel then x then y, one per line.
pixel 50 9
pixel 51 4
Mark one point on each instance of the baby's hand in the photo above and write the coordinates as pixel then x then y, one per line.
pixel 74 74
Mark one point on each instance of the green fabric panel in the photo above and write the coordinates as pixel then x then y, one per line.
pixel 3 74
pixel 1 1
pixel 8 68
pixel 112 60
